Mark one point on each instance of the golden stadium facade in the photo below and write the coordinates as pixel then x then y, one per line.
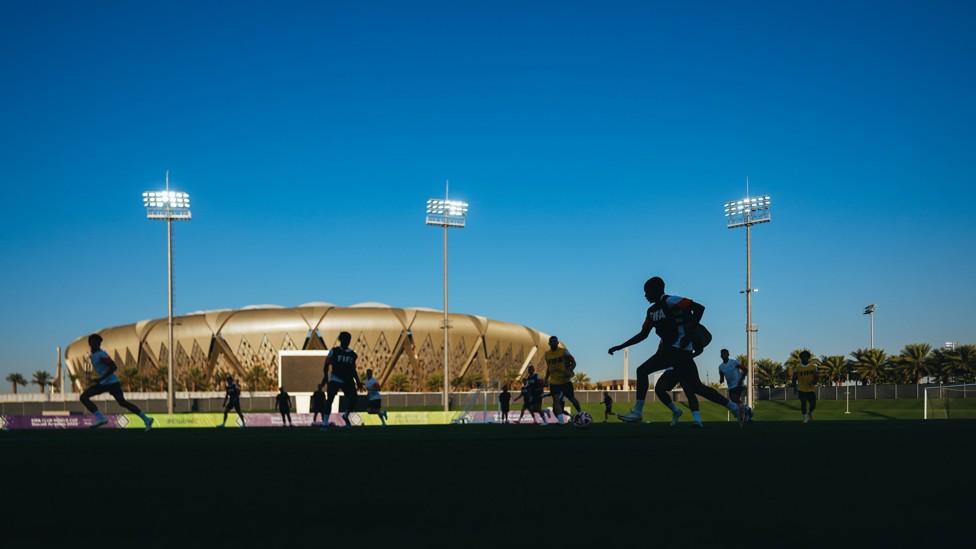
pixel 212 344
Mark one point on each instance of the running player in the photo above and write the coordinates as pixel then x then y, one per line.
pixel 733 373
pixel 342 359
pixel 232 400
pixel 804 379
pixel 674 319
pixel 107 382
pixel 375 398
pixel 526 402
pixel 536 386
pixel 559 377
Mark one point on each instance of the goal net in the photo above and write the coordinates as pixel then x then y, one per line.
pixel 475 406
pixel 950 402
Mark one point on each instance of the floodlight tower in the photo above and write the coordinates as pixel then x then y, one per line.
pixel 746 213
pixel 170 206
pixel 869 310
pixel 447 214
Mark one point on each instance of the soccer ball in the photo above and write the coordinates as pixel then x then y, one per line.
pixel 582 420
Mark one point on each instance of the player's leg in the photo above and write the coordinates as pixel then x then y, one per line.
pixel 115 390
pixel 655 363
pixel 349 391
pixel 86 401
pixel 570 393
pixel 557 403
pixel 803 405
pixel 330 393
pixel 813 405
pixel 691 383
pixel 227 409
pixel 662 389
pixel 240 414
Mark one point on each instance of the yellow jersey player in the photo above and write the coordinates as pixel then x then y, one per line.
pixel 805 376
pixel 559 375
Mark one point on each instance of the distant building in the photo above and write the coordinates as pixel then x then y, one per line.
pixel 388 340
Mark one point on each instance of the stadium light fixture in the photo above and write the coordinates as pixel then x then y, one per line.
pixel 869 310
pixel 747 212
pixel 169 206
pixel 447 214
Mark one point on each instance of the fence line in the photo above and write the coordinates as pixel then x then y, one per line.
pixel 212 401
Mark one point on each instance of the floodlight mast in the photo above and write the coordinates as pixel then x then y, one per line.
pixel 869 310
pixel 745 213
pixel 447 214
pixel 168 205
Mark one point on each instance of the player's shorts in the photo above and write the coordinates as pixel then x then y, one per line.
pixel 505 408
pixel 375 403
pixel 233 405
pixel 808 396
pixel 565 388
pixel 735 395
pixel 114 389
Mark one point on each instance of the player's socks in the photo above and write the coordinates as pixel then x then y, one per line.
pixel 639 406
pixel 696 416
pixel 99 416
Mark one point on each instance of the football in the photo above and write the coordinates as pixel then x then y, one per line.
pixel 582 420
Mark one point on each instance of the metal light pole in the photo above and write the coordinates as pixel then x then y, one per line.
pixel 168 205
pixel 446 213
pixel 869 310
pixel 847 411
pixel 746 213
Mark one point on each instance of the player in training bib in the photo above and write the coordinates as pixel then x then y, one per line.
pixel 559 375
pixel 804 378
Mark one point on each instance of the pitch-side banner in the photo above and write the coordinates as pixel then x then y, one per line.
pixel 210 420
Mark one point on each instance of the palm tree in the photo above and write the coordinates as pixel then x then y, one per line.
pixel 511 378
pixel 42 379
pixel 435 381
pixel 913 362
pixel 15 380
pixel 398 382
pixel 581 380
pixel 160 377
pixel 954 365
pixel 128 376
pixel 871 364
pixel 196 379
pixel 834 369
pixel 768 373
pixel 257 379
pixel 967 363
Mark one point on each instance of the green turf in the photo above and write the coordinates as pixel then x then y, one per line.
pixel 877 482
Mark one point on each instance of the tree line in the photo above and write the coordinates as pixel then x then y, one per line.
pixel 915 362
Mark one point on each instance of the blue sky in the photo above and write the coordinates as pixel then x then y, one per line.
pixel 595 142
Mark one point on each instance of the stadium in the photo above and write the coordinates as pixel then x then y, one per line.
pixel 210 345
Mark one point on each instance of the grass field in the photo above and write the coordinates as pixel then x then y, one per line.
pixel 774 483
